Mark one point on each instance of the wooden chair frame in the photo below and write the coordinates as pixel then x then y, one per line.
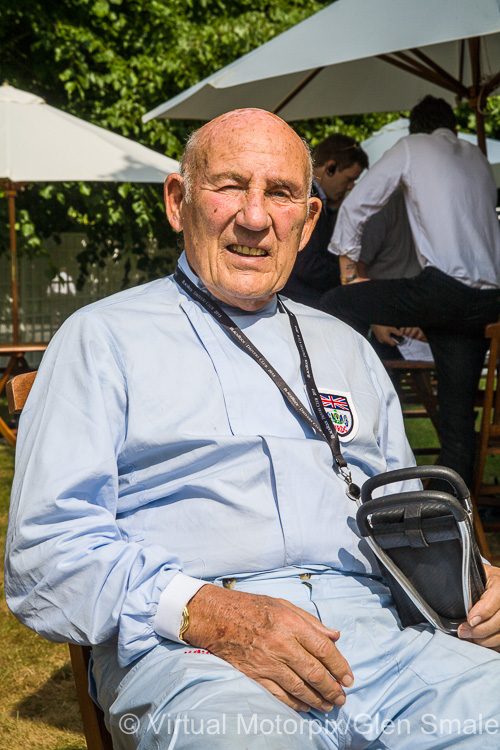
pixel 489 434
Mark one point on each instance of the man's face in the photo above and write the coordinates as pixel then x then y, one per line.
pixel 337 185
pixel 247 216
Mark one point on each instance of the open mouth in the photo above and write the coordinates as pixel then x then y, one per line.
pixel 246 251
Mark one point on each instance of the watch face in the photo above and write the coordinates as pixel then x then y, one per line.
pixel 184 622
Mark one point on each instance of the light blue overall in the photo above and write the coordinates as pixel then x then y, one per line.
pixel 151 444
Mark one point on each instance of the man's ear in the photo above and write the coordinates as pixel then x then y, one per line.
pixel 174 196
pixel 331 167
pixel 315 206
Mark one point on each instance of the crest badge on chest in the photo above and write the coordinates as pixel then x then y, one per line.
pixel 340 408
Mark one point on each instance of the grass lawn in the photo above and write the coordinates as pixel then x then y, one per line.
pixel 39 710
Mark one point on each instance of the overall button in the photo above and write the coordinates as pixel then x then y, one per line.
pixel 229 583
pixel 304 577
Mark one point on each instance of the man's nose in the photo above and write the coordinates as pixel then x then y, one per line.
pixel 253 213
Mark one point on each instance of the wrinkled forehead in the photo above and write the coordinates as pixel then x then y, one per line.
pixel 253 137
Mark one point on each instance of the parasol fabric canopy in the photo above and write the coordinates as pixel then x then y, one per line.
pixel 39 143
pixel 358 56
pixel 382 140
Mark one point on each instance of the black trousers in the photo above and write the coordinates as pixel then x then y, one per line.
pixel 453 316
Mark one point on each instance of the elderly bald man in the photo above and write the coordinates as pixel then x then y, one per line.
pixel 191 521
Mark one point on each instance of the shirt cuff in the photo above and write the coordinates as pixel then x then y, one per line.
pixel 173 599
pixel 354 253
pixel 333 249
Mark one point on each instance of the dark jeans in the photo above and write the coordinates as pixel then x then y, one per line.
pixel 453 317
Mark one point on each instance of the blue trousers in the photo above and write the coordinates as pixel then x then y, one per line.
pixel 414 688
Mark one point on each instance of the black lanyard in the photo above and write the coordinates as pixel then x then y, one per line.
pixel 322 424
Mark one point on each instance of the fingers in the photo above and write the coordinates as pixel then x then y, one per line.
pixel 483 622
pixel 316 673
pixel 313 642
pixel 413 333
pixel 323 661
pixel 283 696
pixel 273 642
pixel 486 634
pixel 383 334
pixel 331 633
pixel 298 688
pixel 304 661
pixel 489 604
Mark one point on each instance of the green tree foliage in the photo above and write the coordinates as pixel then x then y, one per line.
pixel 109 62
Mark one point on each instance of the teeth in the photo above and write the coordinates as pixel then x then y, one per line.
pixel 245 250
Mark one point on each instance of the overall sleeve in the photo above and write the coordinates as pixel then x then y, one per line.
pixel 368 196
pixel 70 573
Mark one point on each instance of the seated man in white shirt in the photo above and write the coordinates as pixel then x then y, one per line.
pixel 388 252
pixel 173 509
pixel 450 196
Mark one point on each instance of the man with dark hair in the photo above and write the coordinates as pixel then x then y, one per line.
pixel 430 114
pixel 338 162
pixel 450 196
pixel 340 151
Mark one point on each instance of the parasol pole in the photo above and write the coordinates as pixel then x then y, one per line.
pixel 475 92
pixel 11 193
pixel 417 63
pixel 480 130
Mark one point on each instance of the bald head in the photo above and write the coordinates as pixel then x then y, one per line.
pixel 242 202
pixel 242 124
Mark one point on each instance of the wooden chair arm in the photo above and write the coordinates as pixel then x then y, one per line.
pixel 17 390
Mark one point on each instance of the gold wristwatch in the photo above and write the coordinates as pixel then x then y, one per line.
pixel 184 623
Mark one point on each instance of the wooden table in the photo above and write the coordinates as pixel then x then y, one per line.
pixel 17 363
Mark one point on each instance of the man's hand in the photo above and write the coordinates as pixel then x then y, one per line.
pixel 282 647
pixel 413 333
pixel 483 622
pixel 383 334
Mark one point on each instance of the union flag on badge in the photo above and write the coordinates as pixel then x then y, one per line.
pixel 339 407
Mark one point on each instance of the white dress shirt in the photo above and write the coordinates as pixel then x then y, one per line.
pixel 450 196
